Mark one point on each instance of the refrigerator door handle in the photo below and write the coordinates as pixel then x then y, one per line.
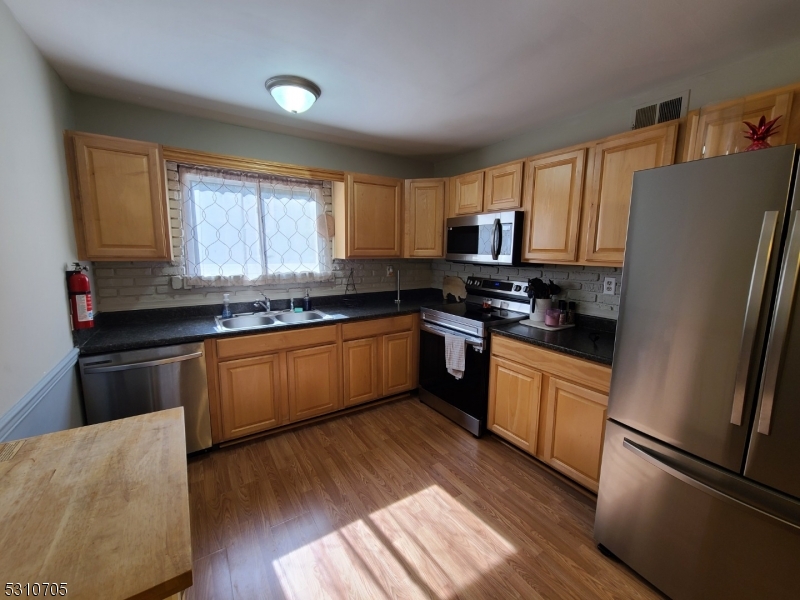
pixel 753 312
pixel 741 493
pixel 780 326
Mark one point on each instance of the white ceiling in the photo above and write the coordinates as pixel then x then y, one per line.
pixel 416 77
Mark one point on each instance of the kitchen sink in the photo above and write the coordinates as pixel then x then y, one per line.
pixel 293 317
pixel 245 321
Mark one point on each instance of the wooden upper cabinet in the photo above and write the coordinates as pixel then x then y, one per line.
pixel 368 211
pixel 250 395
pixel 425 218
pixel 119 198
pixel 514 393
pixel 313 376
pixel 574 431
pixel 502 188
pixel 608 194
pixel 468 193
pixel 720 128
pixel 552 203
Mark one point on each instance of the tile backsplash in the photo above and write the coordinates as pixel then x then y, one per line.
pixel 583 285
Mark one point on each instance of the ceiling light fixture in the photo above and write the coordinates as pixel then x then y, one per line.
pixel 292 93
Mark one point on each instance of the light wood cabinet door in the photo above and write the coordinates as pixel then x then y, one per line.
pixel 608 195
pixel 574 430
pixel 313 376
pixel 250 394
pixel 514 394
pixel 361 371
pixel 502 188
pixel 424 223
pixel 552 203
pixel 468 193
pixel 374 216
pixel 399 363
pixel 119 199
pixel 720 128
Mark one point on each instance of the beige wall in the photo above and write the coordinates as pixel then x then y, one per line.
pixel 34 110
pixel 772 68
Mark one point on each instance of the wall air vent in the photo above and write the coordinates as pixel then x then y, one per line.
pixel 660 111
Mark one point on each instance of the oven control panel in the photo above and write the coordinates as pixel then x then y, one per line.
pixel 479 285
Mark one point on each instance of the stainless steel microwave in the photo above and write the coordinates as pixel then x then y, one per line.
pixel 487 238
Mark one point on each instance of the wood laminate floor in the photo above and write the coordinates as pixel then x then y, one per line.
pixel 392 502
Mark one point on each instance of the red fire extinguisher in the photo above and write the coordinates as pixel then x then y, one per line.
pixel 80 298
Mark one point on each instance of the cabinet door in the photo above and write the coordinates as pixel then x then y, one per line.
pixel 121 206
pixel 574 430
pixel 374 216
pixel 553 193
pixel 721 129
pixel 313 381
pixel 468 193
pixel 361 379
pixel 609 193
pixel 250 393
pixel 424 222
pixel 399 368
pixel 502 188
pixel 514 392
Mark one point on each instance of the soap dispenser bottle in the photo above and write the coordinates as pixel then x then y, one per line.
pixel 226 306
pixel 307 300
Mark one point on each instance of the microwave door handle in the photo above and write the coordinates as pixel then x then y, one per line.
pixel 780 326
pixel 496 239
pixel 755 296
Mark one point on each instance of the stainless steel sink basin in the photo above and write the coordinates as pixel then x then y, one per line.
pixel 246 322
pixel 300 317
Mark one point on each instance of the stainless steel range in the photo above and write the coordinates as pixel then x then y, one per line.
pixel 489 303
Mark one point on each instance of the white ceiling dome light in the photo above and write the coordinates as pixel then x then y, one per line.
pixel 293 94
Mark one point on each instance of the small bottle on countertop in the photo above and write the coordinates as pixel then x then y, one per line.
pixel 571 313
pixel 307 300
pixel 226 306
pixel 562 317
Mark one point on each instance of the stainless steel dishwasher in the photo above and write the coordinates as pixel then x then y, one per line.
pixel 131 383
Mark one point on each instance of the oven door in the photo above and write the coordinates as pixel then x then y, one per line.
pixel 464 401
pixel 491 238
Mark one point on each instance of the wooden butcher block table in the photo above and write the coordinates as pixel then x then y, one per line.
pixel 103 509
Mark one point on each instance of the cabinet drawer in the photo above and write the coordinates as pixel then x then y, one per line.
pixel 364 329
pixel 272 342
pixel 580 371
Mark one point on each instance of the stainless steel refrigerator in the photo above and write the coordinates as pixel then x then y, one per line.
pixel 700 480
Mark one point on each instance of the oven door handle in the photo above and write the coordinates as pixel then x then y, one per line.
pixel 441 332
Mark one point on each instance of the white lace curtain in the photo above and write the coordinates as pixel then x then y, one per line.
pixel 249 229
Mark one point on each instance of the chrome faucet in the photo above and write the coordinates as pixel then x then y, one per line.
pixel 265 303
pixel 291 303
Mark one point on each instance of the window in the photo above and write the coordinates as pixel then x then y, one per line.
pixel 249 229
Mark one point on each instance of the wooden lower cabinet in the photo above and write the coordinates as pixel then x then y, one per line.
pixel 514 392
pixel 399 365
pixel 250 392
pixel 575 419
pixel 313 381
pixel 551 405
pixel 360 371
pixel 260 381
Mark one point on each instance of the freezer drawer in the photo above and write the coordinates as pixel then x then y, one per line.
pixel 691 529
pixel 132 383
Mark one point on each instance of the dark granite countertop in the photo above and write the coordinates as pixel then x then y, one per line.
pixel 592 338
pixel 132 330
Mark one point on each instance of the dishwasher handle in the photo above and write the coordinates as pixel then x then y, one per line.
pixel 139 365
